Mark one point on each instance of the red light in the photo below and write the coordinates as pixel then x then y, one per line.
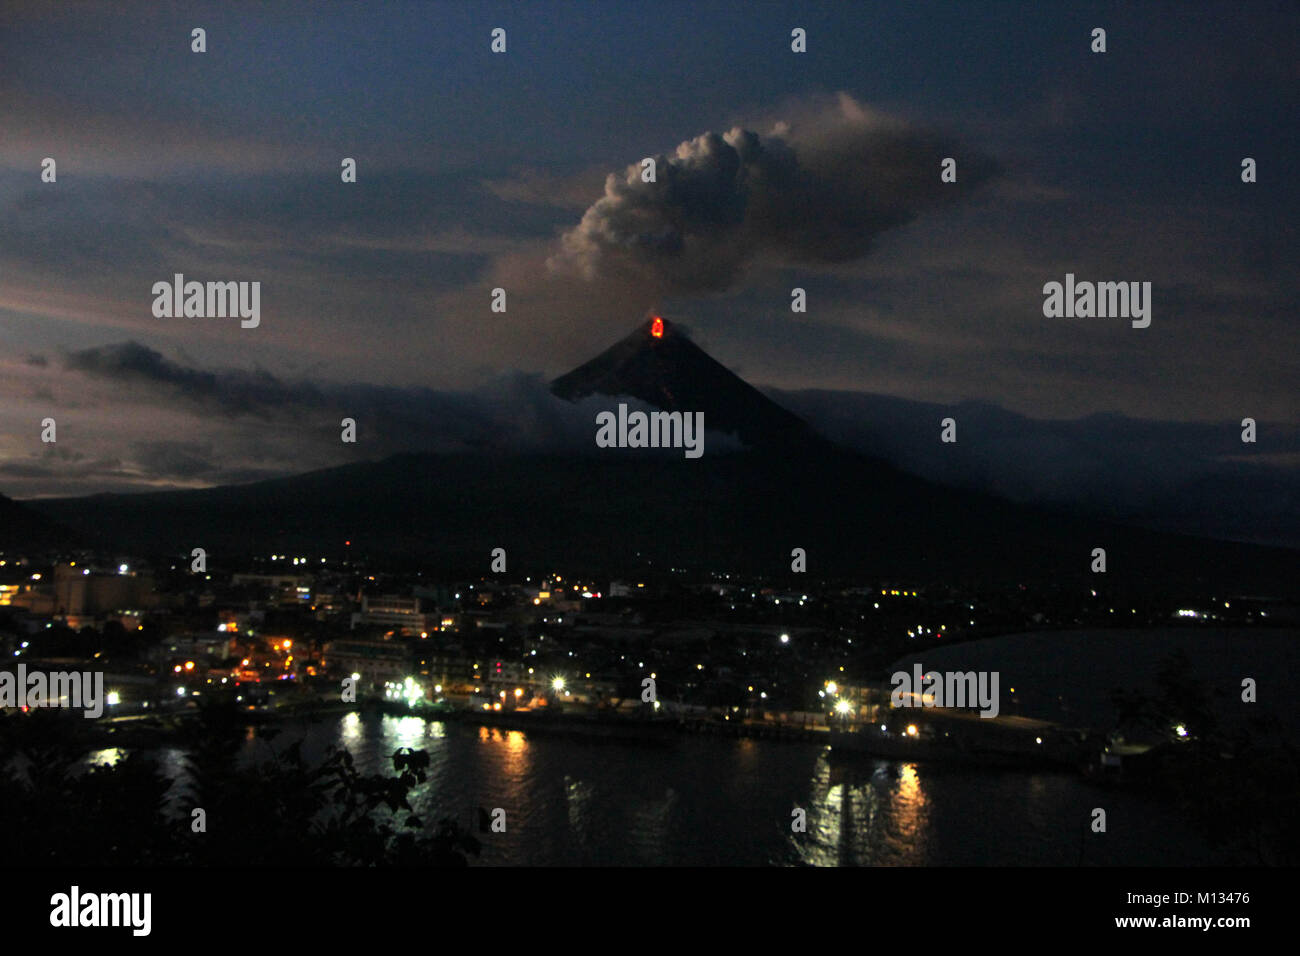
pixel 657 328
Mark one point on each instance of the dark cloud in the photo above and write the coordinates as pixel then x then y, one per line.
pixel 58 464
pixel 177 459
pixel 230 392
pixel 820 189
pixel 512 412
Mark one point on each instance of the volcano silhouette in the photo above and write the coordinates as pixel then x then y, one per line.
pixel 610 512
pixel 660 365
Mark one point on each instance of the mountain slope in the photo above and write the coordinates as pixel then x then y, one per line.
pixel 611 511
pixel 659 364
pixel 27 529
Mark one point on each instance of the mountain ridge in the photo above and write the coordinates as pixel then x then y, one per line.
pixel 612 510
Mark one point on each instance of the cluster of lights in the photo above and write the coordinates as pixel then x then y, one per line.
pixel 407 690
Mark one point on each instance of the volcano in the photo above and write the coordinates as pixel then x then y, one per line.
pixel 660 365
pixel 607 511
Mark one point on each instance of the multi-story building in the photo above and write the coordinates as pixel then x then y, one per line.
pixel 376 661
pixel 403 615
pixel 82 593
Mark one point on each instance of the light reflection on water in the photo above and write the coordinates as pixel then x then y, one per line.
pixel 873 813
pixel 109 757
pixel 718 801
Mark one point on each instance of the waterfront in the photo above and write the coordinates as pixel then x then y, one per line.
pixel 704 801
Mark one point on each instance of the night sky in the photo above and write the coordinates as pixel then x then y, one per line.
pixel 478 170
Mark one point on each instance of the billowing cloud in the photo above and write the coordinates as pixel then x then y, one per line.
pixel 819 189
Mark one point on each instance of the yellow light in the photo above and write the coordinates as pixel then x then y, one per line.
pixel 833 687
pixel 844 707
pixel 911 730
pixel 557 683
